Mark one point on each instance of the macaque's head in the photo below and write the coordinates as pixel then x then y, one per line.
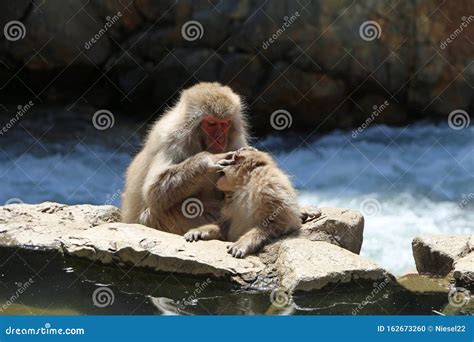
pixel 239 172
pixel 216 114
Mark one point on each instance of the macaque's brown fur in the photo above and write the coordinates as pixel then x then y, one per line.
pixel 173 165
pixel 260 205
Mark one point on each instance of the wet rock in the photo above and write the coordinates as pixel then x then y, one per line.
pixel 309 260
pixel 464 271
pixel 437 254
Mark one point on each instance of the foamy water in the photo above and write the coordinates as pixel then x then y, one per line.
pixel 407 181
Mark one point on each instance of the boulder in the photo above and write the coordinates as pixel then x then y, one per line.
pixel 305 265
pixel 437 254
pixel 464 271
pixel 309 260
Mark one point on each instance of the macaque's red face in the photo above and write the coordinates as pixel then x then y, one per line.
pixel 217 131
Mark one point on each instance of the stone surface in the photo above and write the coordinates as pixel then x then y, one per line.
pixel 93 232
pixel 307 265
pixel 344 226
pixel 436 254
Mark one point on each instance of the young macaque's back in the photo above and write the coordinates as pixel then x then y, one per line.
pixel 259 195
pixel 260 204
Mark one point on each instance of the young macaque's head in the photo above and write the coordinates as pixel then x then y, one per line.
pixel 216 112
pixel 241 166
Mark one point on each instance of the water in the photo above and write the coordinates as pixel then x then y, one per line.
pixel 407 181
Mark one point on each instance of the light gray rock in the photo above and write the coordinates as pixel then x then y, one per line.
pixel 306 265
pixel 93 232
pixel 345 226
pixel 436 254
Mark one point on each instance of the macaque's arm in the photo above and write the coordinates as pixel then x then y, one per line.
pixel 168 184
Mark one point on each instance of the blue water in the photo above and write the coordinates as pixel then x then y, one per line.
pixel 407 181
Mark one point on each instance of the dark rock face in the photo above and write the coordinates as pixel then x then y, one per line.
pixel 326 63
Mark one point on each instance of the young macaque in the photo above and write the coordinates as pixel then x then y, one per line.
pixel 260 204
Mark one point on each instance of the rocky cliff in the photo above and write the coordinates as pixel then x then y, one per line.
pixel 327 63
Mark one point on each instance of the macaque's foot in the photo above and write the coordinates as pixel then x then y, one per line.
pixel 310 215
pixel 195 235
pixel 208 232
pixel 241 248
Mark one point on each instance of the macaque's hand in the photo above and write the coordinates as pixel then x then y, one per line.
pixel 230 157
pixel 208 162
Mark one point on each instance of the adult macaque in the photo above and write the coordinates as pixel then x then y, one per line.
pixel 260 204
pixel 170 184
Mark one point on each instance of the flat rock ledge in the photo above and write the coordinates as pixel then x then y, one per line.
pixel 324 252
pixel 442 254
